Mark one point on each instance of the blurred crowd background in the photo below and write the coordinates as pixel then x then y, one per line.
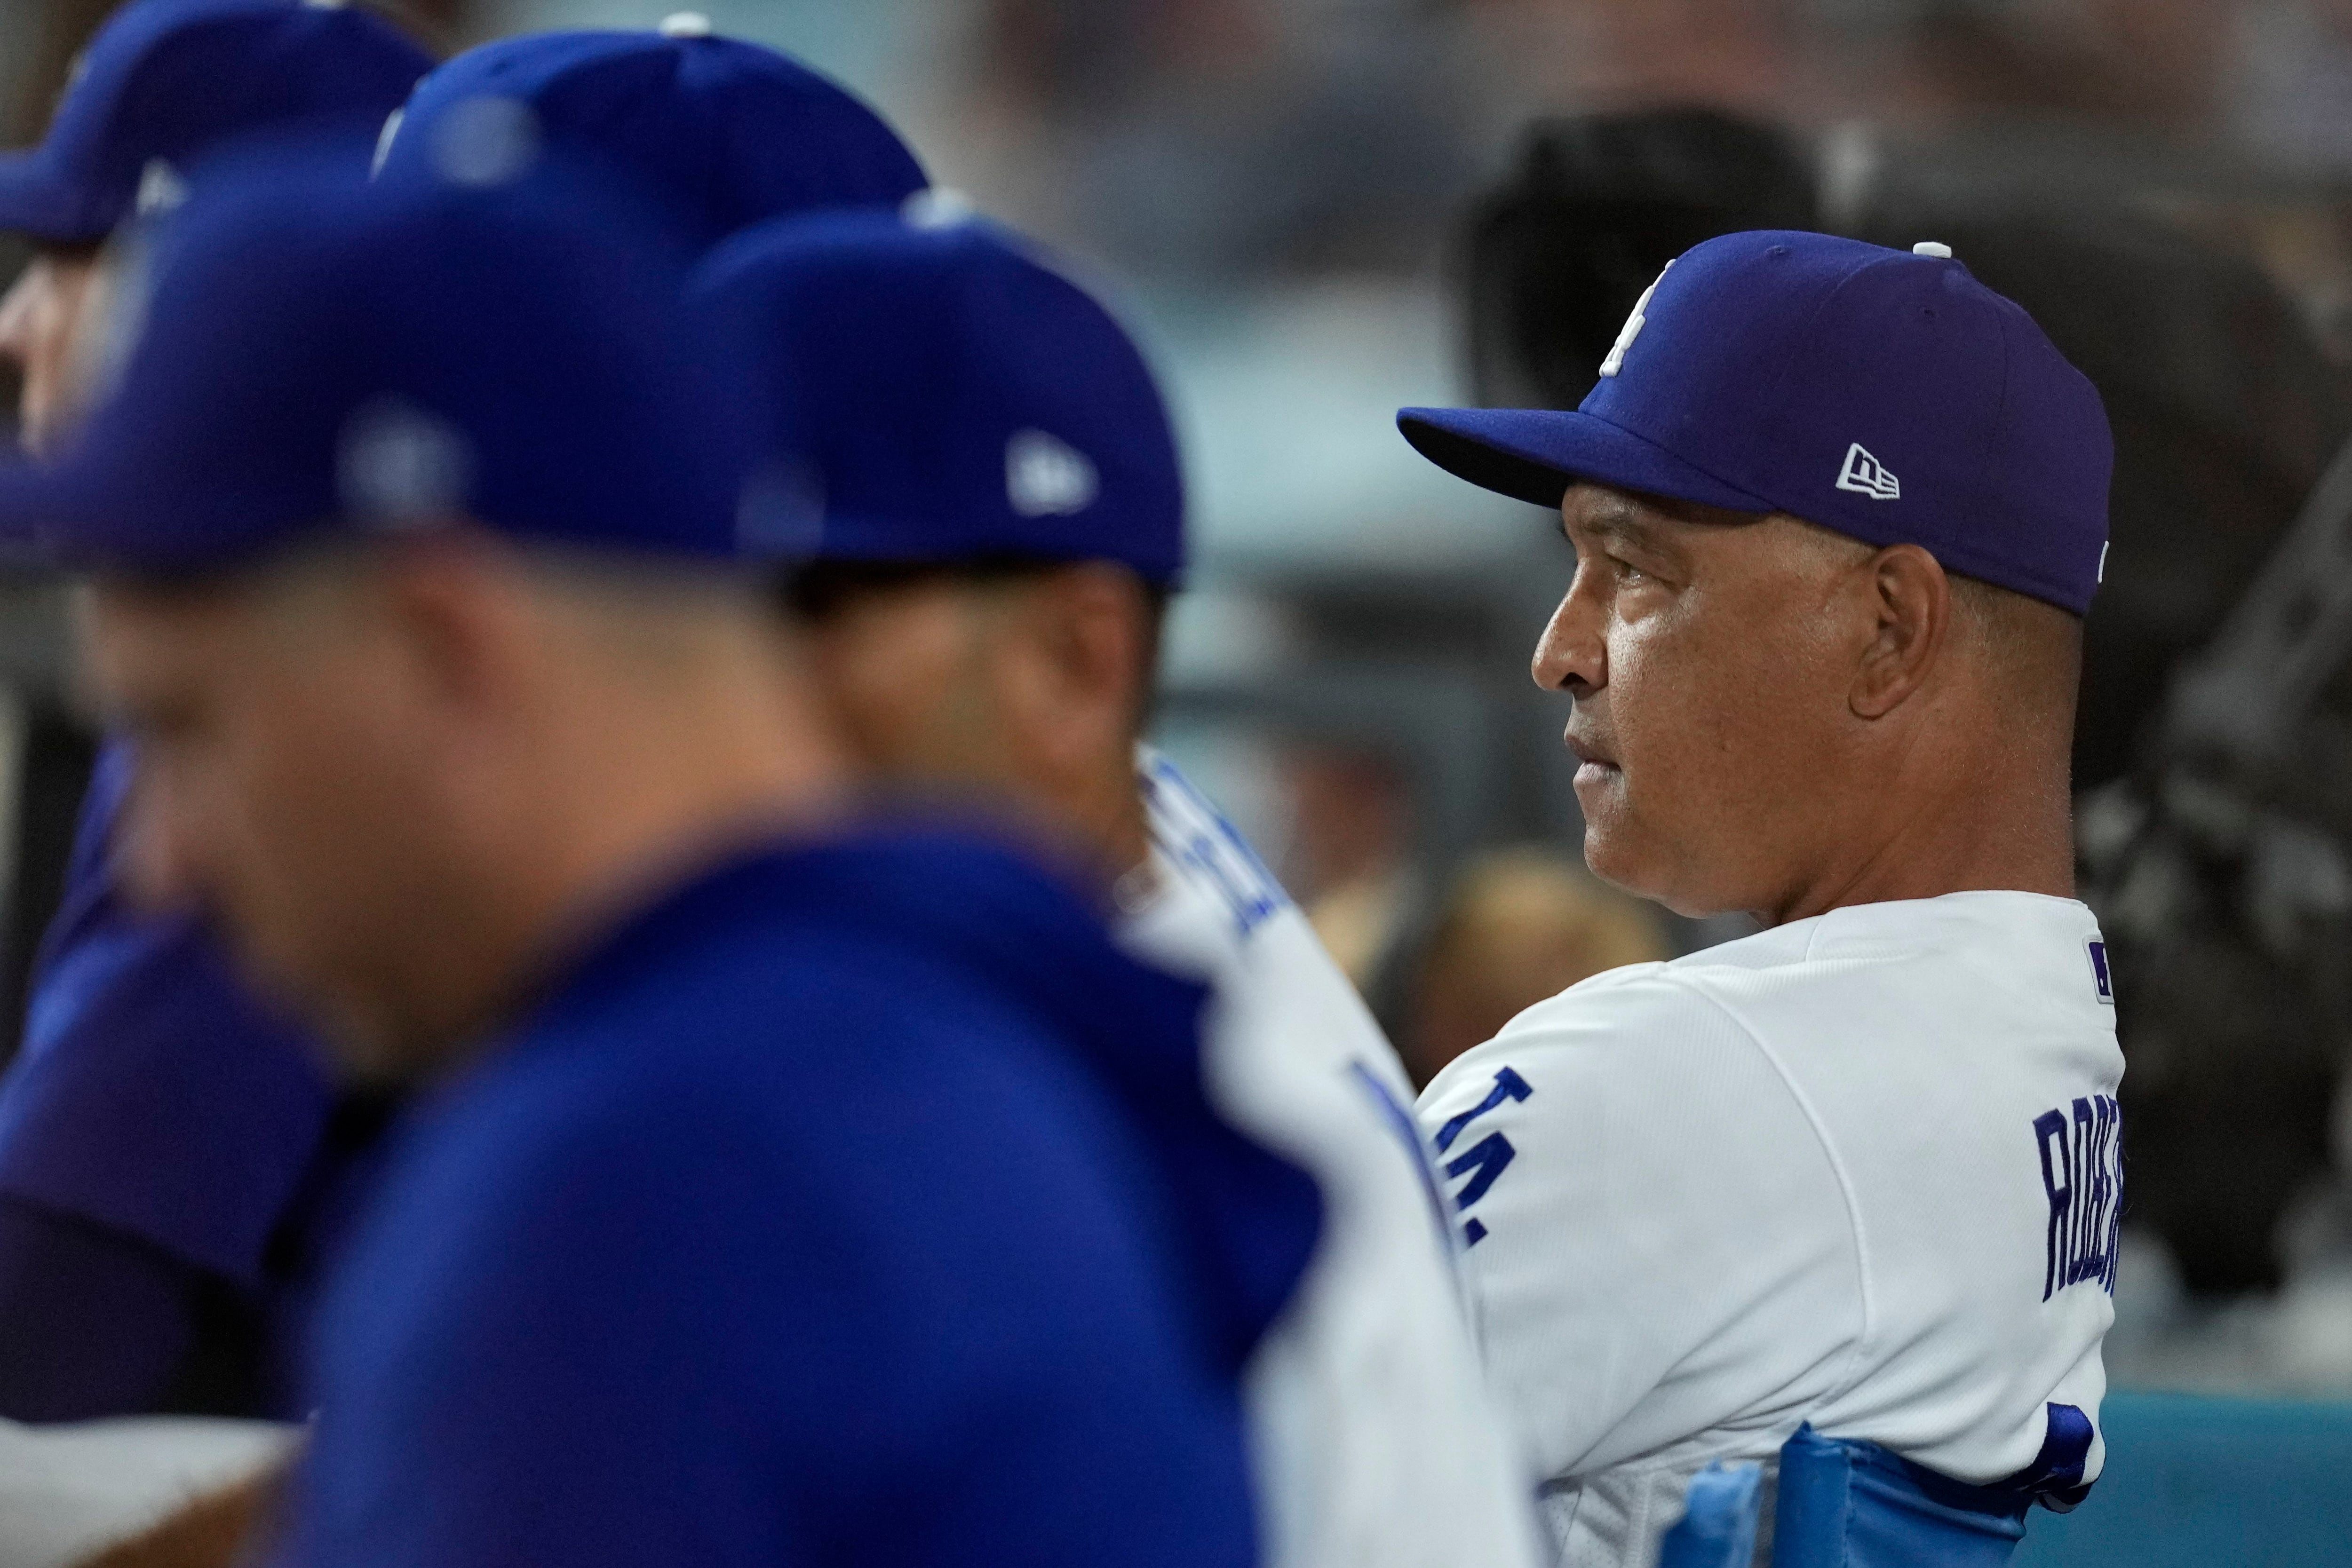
pixel 1318 211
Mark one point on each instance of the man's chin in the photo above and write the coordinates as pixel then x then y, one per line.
pixel 1609 857
pixel 354 1043
pixel 1617 858
pixel 371 1050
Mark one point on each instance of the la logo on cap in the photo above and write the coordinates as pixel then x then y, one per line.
pixel 1633 325
pixel 160 188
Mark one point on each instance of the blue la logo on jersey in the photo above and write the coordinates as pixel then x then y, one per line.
pixel 2100 979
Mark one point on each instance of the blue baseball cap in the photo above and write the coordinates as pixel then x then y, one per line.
pixel 1885 394
pixel 934 392
pixel 318 356
pixel 719 134
pixel 166 82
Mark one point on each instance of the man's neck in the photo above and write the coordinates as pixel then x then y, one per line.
pixel 2004 824
pixel 642 808
pixel 1102 811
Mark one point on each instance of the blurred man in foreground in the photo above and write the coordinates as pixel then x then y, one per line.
pixel 1837 513
pixel 779 1194
pixel 173 1159
pixel 170 1151
pixel 979 460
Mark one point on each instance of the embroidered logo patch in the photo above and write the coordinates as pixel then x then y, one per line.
pixel 1867 476
pixel 1632 327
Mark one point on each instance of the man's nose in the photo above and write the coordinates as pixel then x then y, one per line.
pixel 1571 655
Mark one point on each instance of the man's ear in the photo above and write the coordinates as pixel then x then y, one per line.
pixel 1096 630
pixel 1911 598
pixel 459 603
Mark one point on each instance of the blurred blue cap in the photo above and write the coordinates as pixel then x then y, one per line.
pixel 166 82
pixel 935 393
pixel 1885 394
pixel 310 355
pixel 718 134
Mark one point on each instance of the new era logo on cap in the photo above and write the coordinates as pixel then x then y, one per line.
pixel 399 467
pixel 1867 476
pixel 1045 477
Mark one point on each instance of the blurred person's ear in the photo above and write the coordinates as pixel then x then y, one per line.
pixel 453 606
pixel 1078 689
pixel 892 663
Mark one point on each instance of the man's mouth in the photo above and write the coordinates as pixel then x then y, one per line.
pixel 1589 754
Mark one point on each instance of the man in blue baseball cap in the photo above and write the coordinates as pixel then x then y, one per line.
pixel 972 480
pixel 169 1152
pixel 781 1191
pixel 1837 513
pixel 165 83
pixel 181 1163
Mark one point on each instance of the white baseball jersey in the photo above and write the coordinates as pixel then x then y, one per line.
pixel 1860 1170
pixel 1373 1439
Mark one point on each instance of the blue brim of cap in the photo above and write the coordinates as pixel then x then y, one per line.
pixel 24 499
pixel 48 522
pixel 34 201
pixel 71 517
pixel 1533 455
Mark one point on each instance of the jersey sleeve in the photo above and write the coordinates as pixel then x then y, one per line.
pixel 152 1095
pixel 92 1322
pixel 1657 1242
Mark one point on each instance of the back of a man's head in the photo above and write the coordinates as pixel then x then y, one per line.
pixel 975 482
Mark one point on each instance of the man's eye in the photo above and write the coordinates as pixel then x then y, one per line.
pixel 1628 572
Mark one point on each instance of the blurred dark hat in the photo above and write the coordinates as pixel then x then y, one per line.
pixel 717 133
pixel 308 355
pixel 166 82
pixel 935 393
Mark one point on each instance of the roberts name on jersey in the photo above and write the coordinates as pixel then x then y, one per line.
pixel 1860 1170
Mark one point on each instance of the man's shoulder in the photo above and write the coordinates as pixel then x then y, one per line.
pixel 144 1060
pixel 1605 1023
pixel 899 1163
pixel 1643 1045
pixel 1962 955
pixel 820 1039
pixel 1216 912
pixel 689 1247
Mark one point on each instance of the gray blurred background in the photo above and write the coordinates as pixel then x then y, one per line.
pixel 1315 211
